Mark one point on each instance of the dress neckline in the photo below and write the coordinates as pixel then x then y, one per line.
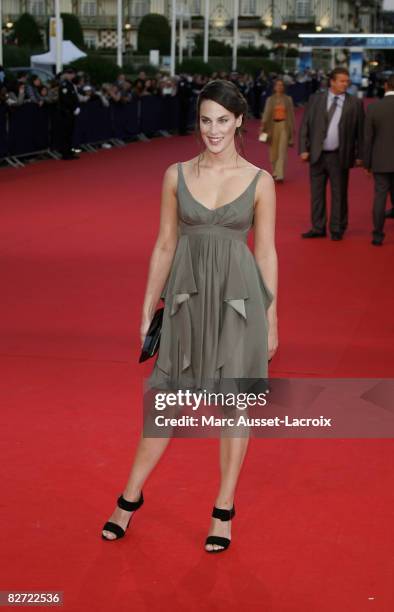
pixel 223 205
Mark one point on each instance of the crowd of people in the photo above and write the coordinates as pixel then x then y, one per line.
pixel 332 137
pixel 28 88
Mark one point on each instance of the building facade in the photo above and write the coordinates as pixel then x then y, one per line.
pixel 257 18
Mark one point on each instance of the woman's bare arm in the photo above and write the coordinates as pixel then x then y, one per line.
pixel 264 249
pixel 164 249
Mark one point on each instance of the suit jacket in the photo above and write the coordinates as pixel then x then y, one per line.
pixel 68 98
pixel 379 135
pixel 268 118
pixel 351 127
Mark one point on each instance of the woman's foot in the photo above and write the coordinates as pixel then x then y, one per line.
pixel 219 528
pixel 120 517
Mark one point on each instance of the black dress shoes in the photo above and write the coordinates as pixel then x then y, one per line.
pixel 336 236
pixel 313 234
pixel 377 241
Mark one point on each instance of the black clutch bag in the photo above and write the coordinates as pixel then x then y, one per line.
pixel 152 338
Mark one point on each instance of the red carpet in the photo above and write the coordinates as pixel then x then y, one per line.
pixel 313 529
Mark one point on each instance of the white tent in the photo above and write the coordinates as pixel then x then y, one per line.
pixel 70 53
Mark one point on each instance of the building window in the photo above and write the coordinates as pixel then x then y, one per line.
pixel 190 41
pixel 89 8
pixel 246 40
pixel 195 7
pixel 303 9
pixel 37 7
pixel 90 40
pixel 139 8
pixel 248 7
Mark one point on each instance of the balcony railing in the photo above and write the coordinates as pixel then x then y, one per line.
pixel 88 22
pixel 105 21
pixel 294 18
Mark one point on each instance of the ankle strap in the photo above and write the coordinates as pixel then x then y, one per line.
pixel 222 514
pixel 129 505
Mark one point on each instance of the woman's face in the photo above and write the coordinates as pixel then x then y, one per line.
pixel 279 87
pixel 217 125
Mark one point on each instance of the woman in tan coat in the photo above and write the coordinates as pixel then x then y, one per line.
pixel 279 123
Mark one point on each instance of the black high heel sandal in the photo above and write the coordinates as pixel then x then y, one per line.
pixel 114 527
pixel 223 515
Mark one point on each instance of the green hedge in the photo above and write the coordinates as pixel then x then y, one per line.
pixel 252 65
pixel 100 69
pixel 19 56
pixel 194 65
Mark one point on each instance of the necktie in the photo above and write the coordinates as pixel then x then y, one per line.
pixel 331 112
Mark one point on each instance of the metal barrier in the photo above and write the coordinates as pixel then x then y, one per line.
pixel 30 129
pixel 3 132
pixel 27 130
pixel 125 120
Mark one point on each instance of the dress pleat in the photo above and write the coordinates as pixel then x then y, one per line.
pixel 215 298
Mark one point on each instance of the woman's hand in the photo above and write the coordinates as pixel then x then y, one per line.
pixel 273 342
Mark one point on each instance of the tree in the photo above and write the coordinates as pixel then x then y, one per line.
pixel 154 33
pixel 72 29
pixel 27 32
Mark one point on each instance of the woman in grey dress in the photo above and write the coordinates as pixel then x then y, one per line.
pixel 220 318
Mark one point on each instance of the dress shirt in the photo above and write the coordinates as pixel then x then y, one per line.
pixel 331 141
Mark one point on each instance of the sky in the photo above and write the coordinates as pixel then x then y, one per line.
pixel 388 5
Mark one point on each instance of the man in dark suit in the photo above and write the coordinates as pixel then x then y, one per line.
pixel 330 140
pixel 379 155
pixel 68 106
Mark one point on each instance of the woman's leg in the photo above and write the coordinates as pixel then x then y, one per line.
pixel 281 151
pixel 273 149
pixel 232 454
pixel 148 453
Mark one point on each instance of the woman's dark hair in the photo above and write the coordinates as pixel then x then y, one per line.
pixel 227 95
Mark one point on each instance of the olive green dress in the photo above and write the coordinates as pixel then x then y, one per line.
pixel 214 322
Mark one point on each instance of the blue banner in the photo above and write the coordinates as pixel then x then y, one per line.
pixel 356 66
pixel 384 41
pixel 305 59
